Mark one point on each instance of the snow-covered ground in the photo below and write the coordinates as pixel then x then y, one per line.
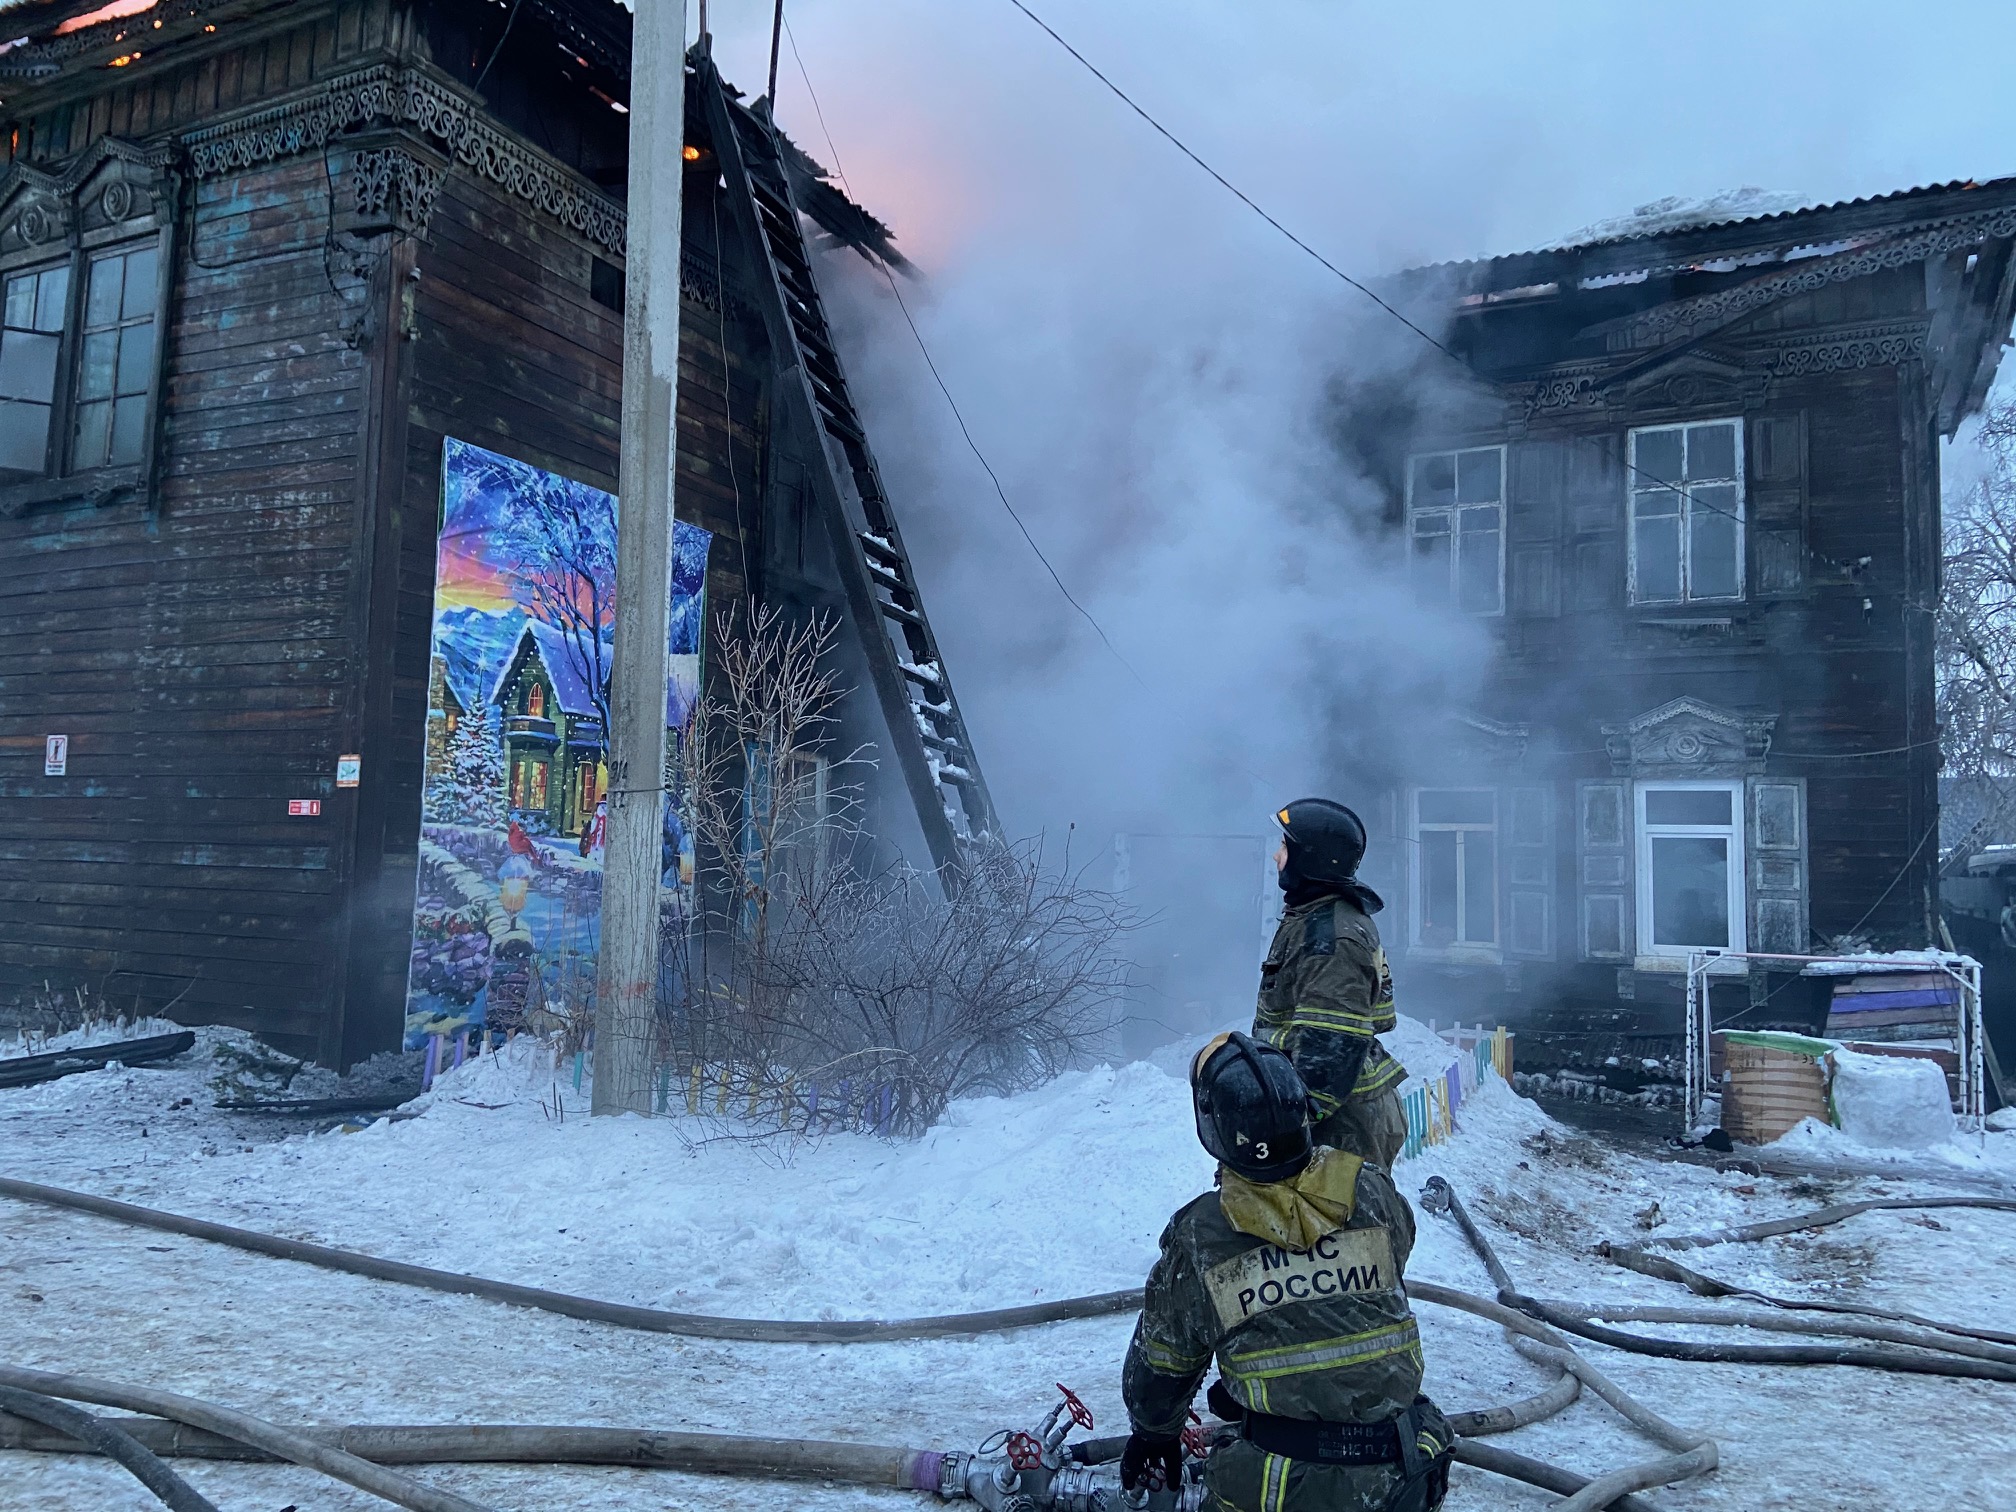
pixel 1057 1192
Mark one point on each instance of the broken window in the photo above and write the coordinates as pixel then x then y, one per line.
pixel 1456 527
pixel 1690 867
pixel 30 345
pixel 1686 512
pixel 1456 868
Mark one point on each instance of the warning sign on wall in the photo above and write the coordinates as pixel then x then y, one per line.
pixel 55 756
pixel 300 807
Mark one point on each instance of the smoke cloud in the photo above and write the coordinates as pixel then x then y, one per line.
pixel 1156 375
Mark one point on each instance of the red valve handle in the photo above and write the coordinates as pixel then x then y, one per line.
pixel 1025 1451
pixel 1080 1413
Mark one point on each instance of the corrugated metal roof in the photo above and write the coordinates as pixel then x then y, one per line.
pixel 1777 227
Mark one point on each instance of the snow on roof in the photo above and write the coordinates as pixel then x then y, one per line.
pixel 563 663
pixel 1870 962
pixel 559 656
pixel 1679 213
pixel 1773 211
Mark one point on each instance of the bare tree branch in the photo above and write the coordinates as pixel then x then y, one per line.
pixel 829 987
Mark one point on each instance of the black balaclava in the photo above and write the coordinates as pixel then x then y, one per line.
pixel 1300 889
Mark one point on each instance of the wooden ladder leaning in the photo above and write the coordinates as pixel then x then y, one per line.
pixel 932 748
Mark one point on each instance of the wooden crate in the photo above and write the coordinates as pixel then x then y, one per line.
pixel 1766 1091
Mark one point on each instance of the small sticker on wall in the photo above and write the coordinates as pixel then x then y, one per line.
pixel 55 756
pixel 349 771
pixel 303 807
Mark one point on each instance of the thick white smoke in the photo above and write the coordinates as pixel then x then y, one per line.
pixel 1149 367
pixel 1155 374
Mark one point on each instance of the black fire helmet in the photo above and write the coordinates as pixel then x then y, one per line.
pixel 1326 841
pixel 1252 1108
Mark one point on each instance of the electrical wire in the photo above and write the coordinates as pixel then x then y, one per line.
pixel 1240 194
pixel 939 378
pixel 1250 203
pixel 502 36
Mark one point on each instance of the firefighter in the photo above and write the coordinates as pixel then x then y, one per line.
pixel 1290 1273
pixel 1325 990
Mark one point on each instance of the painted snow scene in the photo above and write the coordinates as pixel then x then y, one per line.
pixel 506 922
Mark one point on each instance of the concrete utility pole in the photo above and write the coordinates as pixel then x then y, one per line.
pixel 627 994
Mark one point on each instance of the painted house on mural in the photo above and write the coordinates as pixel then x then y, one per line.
pixel 1687 471
pixel 553 700
pixel 265 264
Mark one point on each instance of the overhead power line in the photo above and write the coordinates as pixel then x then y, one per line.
pixel 1250 203
pixel 1240 194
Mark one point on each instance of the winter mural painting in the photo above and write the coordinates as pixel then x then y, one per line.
pixel 507 912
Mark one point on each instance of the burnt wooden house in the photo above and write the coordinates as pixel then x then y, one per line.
pixel 259 258
pixel 1690 479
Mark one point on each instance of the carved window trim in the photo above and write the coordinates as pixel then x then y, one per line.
pixel 115 199
pixel 61 471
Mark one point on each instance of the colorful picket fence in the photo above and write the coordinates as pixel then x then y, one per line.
pixel 1431 1105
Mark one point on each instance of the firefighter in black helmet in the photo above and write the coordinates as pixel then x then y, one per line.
pixel 1290 1274
pixel 1325 990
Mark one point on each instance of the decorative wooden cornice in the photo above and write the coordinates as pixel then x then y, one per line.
pixel 1709 311
pixel 386 94
pixel 1862 347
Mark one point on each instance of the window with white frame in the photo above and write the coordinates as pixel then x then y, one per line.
pixel 1687 512
pixel 1455 868
pixel 1456 527
pixel 1690 867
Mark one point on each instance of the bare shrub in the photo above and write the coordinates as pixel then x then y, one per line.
pixel 829 985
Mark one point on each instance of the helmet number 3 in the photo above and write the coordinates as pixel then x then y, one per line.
pixel 1260 1151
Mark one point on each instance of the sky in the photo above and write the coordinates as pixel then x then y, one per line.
pixel 1153 373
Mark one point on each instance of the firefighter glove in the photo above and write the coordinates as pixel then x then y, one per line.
pixel 1152 1462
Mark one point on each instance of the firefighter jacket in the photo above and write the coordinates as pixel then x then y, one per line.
pixel 1324 993
pixel 1316 1327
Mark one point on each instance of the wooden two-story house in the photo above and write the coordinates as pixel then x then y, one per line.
pixel 260 260
pixel 1689 473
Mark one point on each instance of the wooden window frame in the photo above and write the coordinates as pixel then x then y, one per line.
pixel 1489 952
pixel 1453 511
pixel 1637 483
pixel 60 478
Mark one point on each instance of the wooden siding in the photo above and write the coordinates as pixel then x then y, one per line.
pixel 212 651
pixel 198 657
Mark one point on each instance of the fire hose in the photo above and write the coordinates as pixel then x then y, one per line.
pixel 1067 1477
pixel 979 1476
pixel 1925 1352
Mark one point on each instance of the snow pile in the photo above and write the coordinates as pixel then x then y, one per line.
pixel 1420 1049
pixel 1891 1102
pixel 1059 1191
